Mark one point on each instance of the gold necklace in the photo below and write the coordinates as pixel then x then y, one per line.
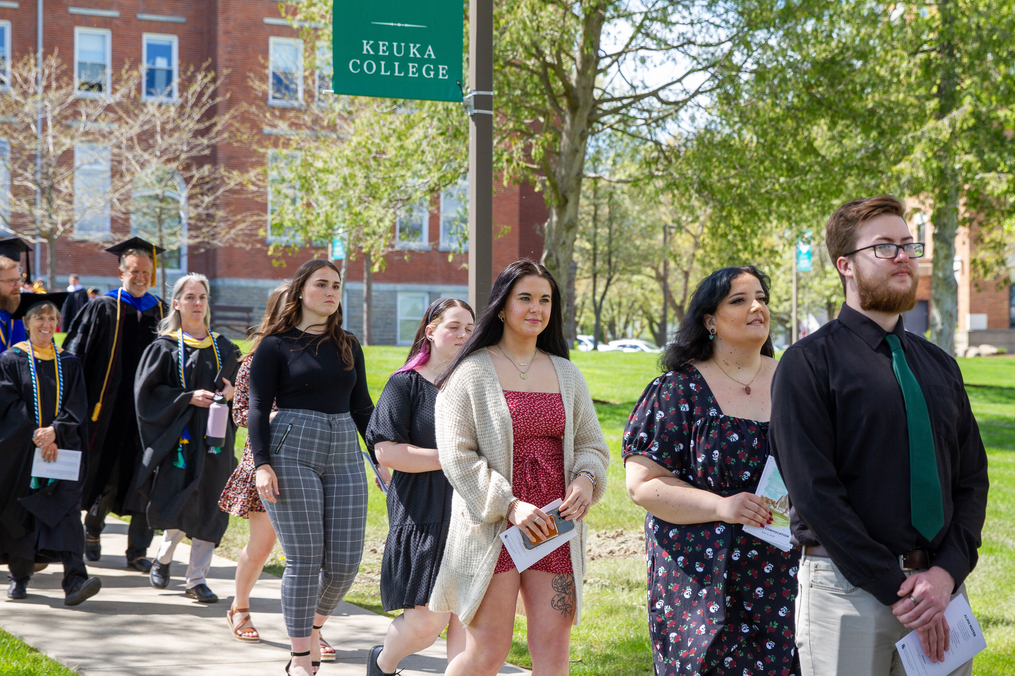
pixel 524 375
pixel 746 386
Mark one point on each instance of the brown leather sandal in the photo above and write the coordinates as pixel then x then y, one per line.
pixel 238 630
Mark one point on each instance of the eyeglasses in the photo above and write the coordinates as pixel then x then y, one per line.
pixel 891 251
pixel 11 282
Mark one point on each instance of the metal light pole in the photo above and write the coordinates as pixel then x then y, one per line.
pixel 480 152
pixel 666 285
pixel 38 140
pixel 794 333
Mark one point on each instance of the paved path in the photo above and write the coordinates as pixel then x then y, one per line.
pixel 132 629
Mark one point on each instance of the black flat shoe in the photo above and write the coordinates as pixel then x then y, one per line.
pixel 290 662
pixel 17 590
pixel 372 668
pixel 160 574
pixel 202 594
pixel 85 589
pixel 93 548
pixel 141 564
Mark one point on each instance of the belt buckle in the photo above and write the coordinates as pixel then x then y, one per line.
pixel 915 559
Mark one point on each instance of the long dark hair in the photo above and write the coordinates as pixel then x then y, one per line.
pixel 276 301
pixel 419 353
pixel 489 327
pixel 692 340
pixel 292 313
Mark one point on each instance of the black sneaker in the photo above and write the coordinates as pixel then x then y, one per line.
pixel 372 668
pixel 85 589
pixel 202 594
pixel 93 548
pixel 160 574
pixel 18 590
pixel 141 564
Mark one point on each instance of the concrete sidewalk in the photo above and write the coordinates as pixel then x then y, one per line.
pixel 133 629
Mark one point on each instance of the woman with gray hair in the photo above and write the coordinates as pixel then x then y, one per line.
pixel 181 375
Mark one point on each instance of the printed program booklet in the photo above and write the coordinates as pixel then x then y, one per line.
pixel 773 491
pixel 965 637
pixel 67 465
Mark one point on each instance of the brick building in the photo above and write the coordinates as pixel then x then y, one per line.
pixel 246 38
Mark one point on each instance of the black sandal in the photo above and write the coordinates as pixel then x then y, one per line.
pixel 317 665
pixel 291 655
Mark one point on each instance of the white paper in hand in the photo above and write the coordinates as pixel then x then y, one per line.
pixel 525 558
pixel 966 642
pixel 773 491
pixel 66 466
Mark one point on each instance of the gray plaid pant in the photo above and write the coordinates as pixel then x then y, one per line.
pixel 321 513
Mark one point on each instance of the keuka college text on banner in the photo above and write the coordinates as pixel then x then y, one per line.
pixel 403 49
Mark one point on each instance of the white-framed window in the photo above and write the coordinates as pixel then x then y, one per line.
pixel 323 72
pixel 5 55
pixel 283 195
pixel 412 227
pixel 455 217
pixel 5 187
pixel 162 65
pixel 93 58
pixel 91 190
pixel 411 307
pixel 285 66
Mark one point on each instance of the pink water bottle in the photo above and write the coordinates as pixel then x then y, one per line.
pixel 218 422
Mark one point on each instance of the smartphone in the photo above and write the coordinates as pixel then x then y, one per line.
pixel 558 526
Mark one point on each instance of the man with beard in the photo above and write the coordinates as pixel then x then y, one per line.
pixel 886 472
pixel 109 335
pixel 12 331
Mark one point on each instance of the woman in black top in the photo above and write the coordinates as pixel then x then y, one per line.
pixel 309 469
pixel 419 498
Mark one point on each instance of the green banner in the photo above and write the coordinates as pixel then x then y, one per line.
pixel 402 49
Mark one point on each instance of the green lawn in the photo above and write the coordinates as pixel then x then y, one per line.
pixel 613 637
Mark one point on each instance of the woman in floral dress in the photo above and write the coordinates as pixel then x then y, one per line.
pixel 720 600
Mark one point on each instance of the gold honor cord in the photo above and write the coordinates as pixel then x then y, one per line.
pixel 109 366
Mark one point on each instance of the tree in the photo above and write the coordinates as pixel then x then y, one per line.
pixel 178 194
pixel 52 139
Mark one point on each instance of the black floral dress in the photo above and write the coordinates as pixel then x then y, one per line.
pixel 720 600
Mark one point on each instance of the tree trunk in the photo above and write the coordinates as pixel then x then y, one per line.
pixel 51 260
pixel 368 299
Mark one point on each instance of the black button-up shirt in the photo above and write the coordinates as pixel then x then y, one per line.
pixel 840 438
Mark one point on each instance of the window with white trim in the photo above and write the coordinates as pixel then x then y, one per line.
pixel 91 190
pixel 411 307
pixel 412 227
pixel 93 57
pixel 285 66
pixel 323 72
pixel 161 58
pixel 455 217
pixel 283 195
pixel 5 56
pixel 5 187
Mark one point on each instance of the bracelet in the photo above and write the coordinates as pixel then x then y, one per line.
pixel 588 475
pixel 511 506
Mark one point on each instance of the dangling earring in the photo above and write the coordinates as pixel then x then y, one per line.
pixel 501 318
pixel 711 334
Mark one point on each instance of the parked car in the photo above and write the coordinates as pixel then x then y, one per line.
pixel 585 343
pixel 634 345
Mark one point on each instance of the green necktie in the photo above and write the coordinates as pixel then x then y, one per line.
pixel 924 483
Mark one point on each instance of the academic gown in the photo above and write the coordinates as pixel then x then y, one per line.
pixel 103 343
pixel 11 330
pixel 38 523
pixel 75 301
pixel 180 483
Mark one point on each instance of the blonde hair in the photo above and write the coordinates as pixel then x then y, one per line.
pixel 39 307
pixel 8 263
pixel 172 320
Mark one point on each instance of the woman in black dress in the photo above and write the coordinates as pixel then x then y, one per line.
pixel 419 498
pixel 720 600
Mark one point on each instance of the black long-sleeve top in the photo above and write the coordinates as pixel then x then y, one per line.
pixel 840 438
pixel 299 370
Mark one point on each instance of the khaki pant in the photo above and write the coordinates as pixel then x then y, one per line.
pixel 841 630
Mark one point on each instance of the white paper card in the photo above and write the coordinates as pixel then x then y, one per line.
pixel 967 642
pixel 377 472
pixel 66 466
pixel 772 489
pixel 525 558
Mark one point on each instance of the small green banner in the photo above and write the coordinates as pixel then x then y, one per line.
pixel 402 49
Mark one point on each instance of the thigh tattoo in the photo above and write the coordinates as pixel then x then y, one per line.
pixel 563 597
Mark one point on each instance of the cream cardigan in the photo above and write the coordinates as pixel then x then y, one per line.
pixel 475 443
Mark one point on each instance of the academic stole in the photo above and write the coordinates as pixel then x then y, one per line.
pixel 181 356
pixel 37 392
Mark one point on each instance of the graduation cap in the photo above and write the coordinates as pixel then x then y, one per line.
pixel 29 299
pixel 13 247
pixel 137 243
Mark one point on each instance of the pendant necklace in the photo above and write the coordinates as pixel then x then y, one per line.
pixel 746 386
pixel 524 375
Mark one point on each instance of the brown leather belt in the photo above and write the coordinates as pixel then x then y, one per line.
pixel 914 559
